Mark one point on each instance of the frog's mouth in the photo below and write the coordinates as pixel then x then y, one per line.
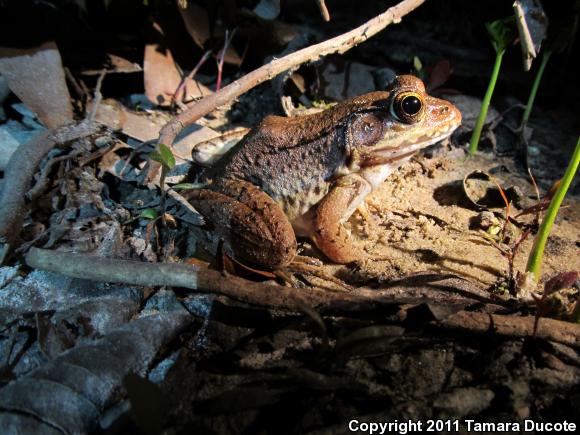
pixel 376 156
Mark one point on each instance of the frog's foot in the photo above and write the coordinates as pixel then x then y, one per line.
pixel 238 268
pixel 305 259
pixel 306 266
pixel 303 267
pixel 364 212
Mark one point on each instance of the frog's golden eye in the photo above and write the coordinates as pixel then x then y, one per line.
pixel 409 107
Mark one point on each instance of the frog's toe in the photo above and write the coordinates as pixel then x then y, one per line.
pixel 317 271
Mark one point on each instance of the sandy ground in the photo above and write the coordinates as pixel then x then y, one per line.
pixel 420 219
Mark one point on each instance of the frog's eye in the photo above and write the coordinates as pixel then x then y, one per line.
pixel 408 107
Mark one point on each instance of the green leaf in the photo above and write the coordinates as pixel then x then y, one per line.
pixel 166 156
pixel 163 155
pixel 148 213
pixel 154 155
pixel 502 33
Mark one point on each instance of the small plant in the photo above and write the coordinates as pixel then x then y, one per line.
pixel 164 156
pixel 502 34
pixel 534 265
pixel 507 242
pixel 530 104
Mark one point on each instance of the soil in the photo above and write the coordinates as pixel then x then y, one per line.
pixel 421 219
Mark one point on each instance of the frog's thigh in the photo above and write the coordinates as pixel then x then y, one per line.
pixel 254 228
pixel 335 208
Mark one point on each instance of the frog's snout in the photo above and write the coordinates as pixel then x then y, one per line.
pixel 445 113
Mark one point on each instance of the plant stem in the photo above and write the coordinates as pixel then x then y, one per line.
pixel 485 104
pixel 163 198
pixel 534 91
pixel 535 260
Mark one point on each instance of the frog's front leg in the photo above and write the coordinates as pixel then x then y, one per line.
pixel 254 227
pixel 332 212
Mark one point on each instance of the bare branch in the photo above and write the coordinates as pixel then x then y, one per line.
pixel 323 10
pixel 513 326
pixel 200 279
pixel 423 289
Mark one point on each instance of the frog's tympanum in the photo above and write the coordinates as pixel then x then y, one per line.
pixel 306 175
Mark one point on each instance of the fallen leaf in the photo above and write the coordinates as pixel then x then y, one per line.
pixel 37 77
pixel 162 76
pixel 439 74
pixel 145 128
pixel 196 22
pixel 115 64
pixel 559 282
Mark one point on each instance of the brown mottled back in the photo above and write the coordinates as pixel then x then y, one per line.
pixel 284 156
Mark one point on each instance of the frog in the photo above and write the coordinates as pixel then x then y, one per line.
pixel 304 176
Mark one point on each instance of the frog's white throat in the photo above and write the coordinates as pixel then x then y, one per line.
pixel 393 159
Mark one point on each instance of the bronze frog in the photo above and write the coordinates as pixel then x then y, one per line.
pixel 305 176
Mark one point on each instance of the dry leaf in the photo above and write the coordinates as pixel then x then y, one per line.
pixel 162 77
pixel 115 64
pixel 145 128
pixel 36 76
pixel 196 22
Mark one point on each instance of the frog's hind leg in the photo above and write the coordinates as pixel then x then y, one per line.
pixel 253 226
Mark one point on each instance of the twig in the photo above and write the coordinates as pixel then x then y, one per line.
pixel 221 58
pixel 98 153
pixel 338 44
pixel 554 330
pixel 323 10
pixel 538 196
pixel 87 266
pixel 171 274
pixel 81 91
pixel 418 290
pixel 98 96
pixel 42 182
pixel 190 76
pixel 526 42
pixel 193 213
